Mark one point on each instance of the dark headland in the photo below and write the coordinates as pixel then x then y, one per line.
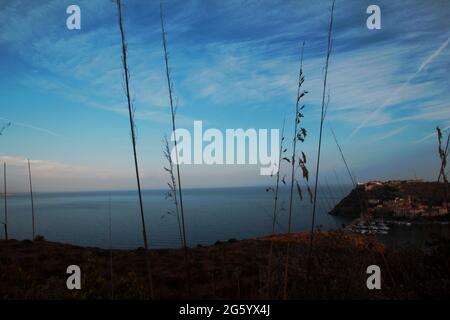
pixel 411 200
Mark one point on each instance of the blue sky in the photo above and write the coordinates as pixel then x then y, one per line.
pixel 234 65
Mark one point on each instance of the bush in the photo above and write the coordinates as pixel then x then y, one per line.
pixel 39 238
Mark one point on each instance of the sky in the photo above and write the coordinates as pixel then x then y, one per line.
pixel 234 64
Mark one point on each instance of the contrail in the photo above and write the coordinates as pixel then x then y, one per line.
pixel 28 126
pixel 394 94
pixel 430 135
pixel 391 134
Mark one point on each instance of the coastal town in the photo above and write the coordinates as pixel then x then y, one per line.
pixel 376 205
pixel 403 204
pixel 399 199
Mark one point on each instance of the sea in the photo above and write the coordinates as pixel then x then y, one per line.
pixel 211 215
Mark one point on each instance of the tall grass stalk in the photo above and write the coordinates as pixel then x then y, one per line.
pixel 275 210
pixel 300 94
pixel 133 141
pixel 31 196
pixel 5 223
pixel 443 154
pixel 4 127
pixel 322 120
pixel 110 248
pixel 172 194
pixel 443 157
pixel 360 197
pixel 299 135
pixel 353 180
pixel 173 114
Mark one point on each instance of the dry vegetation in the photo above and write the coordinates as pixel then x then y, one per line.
pixel 228 270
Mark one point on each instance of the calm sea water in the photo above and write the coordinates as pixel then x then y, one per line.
pixel 211 214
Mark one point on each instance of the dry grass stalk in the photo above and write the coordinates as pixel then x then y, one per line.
pixel 343 158
pixel 133 140
pixel 322 120
pixel 275 209
pixel 173 118
pixel 31 196
pixel 172 193
pixel 299 136
pixel 443 157
pixel 362 204
pixel 110 248
pixel 5 223
pixel 4 127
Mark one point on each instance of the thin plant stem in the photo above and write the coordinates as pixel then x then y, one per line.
pixel 5 201
pixel 343 158
pixel 322 119
pixel 294 145
pixel 173 112
pixel 442 169
pixel 173 186
pixel 31 196
pixel 443 158
pixel 110 248
pixel 352 178
pixel 172 109
pixel 274 216
pixel 133 141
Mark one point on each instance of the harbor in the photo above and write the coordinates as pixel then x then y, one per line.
pixel 368 226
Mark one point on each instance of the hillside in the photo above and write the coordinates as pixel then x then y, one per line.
pixel 230 270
